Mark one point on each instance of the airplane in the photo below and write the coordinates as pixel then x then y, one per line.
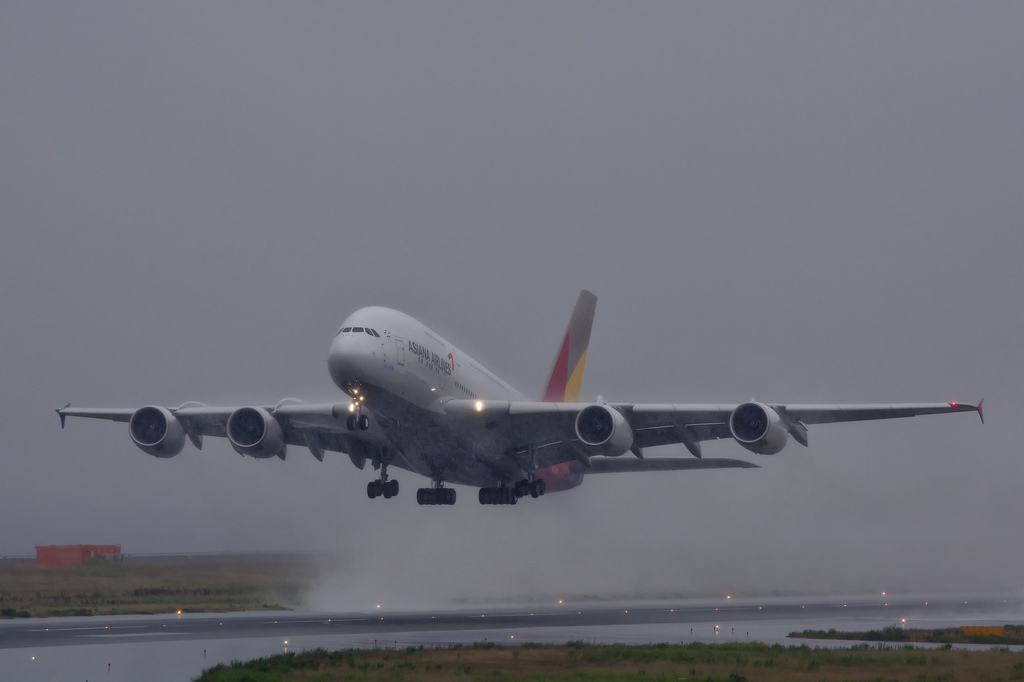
pixel 416 402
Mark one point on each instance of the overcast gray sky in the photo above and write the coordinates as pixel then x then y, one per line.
pixel 789 201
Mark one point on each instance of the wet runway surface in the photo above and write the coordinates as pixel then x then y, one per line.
pixel 179 647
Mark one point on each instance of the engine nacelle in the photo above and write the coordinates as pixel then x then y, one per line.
pixel 758 428
pixel 157 431
pixel 254 432
pixel 604 430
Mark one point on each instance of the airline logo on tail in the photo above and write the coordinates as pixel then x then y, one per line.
pixel 564 384
pixel 566 375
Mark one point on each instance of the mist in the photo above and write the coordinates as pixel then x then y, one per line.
pixel 794 202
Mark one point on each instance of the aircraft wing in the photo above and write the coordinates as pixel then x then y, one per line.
pixel 318 426
pixel 616 465
pixel 547 430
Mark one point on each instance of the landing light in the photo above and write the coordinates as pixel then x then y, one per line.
pixel 352 407
pixel 479 406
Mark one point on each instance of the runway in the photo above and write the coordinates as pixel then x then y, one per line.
pixel 178 647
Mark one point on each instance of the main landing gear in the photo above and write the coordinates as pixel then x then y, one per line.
pixel 382 487
pixel 435 496
pixel 379 488
pixel 505 495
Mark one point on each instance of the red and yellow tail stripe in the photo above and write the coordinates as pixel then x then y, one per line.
pixel 567 373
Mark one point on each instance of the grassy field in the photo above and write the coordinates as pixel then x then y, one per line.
pixel 108 587
pixel 1014 634
pixel 576 661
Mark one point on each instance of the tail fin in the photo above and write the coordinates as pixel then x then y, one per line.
pixel 566 375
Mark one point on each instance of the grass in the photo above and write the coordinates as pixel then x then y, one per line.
pixel 595 663
pixel 106 587
pixel 894 633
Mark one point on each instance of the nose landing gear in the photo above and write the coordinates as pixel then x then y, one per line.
pixel 357 422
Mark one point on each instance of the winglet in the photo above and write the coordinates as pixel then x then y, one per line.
pixel 980 413
pixel 567 372
pixel 60 413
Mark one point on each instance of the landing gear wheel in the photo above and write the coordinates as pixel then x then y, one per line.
pixel 373 489
pixel 537 488
pixel 363 422
pixel 392 487
pixel 350 422
pixel 522 488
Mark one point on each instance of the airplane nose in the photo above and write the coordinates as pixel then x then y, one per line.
pixel 339 363
pixel 349 361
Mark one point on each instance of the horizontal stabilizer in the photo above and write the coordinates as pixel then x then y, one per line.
pixel 609 465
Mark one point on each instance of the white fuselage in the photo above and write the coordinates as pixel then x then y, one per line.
pixel 403 373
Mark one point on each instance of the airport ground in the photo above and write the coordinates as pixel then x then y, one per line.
pixel 577 660
pixel 691 633
pixel 207 583
pixel 168 647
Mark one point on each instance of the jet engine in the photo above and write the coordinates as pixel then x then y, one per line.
pixel 604 430
pixel 157 431
pixel 254 432
pixel 758 428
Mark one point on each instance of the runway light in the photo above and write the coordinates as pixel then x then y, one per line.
pixel 728 596
pixel 511 636
pixel 378 606
pixel 559 601
pixel 179 612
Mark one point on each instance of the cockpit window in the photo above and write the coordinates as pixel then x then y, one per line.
pixel 357 330
pixel 346 330
pixel 372 332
